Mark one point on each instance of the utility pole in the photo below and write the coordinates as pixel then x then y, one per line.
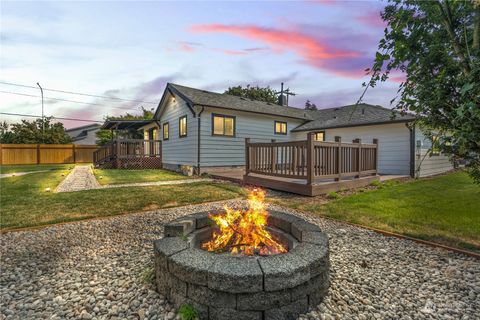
pixel 43 118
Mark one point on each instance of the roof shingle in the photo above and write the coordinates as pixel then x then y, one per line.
pixel 226 101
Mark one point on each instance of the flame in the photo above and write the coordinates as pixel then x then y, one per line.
pixel 244 232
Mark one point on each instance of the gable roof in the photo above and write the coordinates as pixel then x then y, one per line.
pixel 351 116
pixel 93 126
pixel 226 101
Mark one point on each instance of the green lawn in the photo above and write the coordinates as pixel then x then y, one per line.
pixel 113 176
pixel 443 209
pixel 24 203
pixel 33 167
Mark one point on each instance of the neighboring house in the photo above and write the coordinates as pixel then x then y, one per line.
pixel 84 134
pixel 207 130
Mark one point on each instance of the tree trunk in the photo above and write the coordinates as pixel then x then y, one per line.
pixel 447 21
pixel 476 27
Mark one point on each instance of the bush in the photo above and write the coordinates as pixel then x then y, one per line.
pixel 376 183
pixel 333 195
pixel 187 312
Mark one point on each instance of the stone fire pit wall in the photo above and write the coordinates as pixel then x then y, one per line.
pixel 225 286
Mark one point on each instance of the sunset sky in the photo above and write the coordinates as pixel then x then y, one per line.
pixel 130 50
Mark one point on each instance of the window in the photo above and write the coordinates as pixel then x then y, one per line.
pixel 280 127
pixel 319 136
pixel 166 131
pixel 223 125
pixel 182 126
pixel 435 151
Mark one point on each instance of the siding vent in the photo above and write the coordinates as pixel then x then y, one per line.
pixel 363 110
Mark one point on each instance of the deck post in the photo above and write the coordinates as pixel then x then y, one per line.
pixel 310 158
pixel 375 141
pixel 247 156
pixel 273 150
pixel 339 157
pixel 74 153
pixel 359 155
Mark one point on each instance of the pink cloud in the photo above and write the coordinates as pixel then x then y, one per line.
pixel 232 52
pixel 372 19
pixel 186 48
pixel 313 51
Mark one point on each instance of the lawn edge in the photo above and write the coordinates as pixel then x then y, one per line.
pixel 38 228
pixel 396 235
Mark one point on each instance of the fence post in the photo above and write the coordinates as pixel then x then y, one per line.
pixel 247 156
pixel 310 158
pixel 339 157
pixel 74 154
pixel 273 150
pixel 359 155
pixel 375 141
pixel 38 153
pixel 117 160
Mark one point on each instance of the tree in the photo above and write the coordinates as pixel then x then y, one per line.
pixel 310 106
pixel 31 132
pixel 436 45
pixel 105 136
pixel 266 94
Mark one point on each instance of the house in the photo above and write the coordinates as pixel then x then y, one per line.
pixel 84 134
pixel 207 130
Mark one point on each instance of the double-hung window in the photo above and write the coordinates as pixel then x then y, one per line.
pixel 223 125
pixel 280 127
pixel 166 131
pixel 182 127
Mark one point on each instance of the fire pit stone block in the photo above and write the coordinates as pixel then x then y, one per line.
pixel 224 286
pixel 236 274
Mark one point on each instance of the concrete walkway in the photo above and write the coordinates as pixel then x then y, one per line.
pixel 82 178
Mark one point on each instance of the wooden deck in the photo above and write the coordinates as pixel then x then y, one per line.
pixel 311 167
pixel 129 154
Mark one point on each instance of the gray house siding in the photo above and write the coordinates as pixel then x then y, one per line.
pixel 426 165
pixel 178 151
pixel 217 151
pixel 394 144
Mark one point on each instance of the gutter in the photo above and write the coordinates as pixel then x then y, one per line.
pixel 198 139
pixel 411 129
pixel 355 125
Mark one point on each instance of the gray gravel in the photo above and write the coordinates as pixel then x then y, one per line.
pixel 97 269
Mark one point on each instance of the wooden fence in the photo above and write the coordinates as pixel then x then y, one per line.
pixel 46 153
pixel 312 159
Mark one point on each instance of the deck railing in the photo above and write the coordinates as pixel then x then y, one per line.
pixel 129 153
pixel 312 159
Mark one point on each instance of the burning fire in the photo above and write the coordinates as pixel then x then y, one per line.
pixel 244 232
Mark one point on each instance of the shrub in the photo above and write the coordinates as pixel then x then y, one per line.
pixel 332 195
pixel 187 312
pixel 148 275
pixel 376 183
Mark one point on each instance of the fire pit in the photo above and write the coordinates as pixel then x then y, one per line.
pixel 249 264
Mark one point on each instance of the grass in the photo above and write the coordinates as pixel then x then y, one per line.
pixel 33 167
pixel 187 312
pixel 24 203
pixel 113 176
pixel 443 209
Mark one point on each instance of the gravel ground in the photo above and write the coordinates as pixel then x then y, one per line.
pixel 99 269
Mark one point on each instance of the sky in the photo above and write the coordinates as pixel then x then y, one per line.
pixel 131 50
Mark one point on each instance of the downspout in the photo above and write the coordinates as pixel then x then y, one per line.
pixel 198 139
pixel 411 128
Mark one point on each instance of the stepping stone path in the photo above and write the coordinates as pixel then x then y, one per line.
pixel 81 178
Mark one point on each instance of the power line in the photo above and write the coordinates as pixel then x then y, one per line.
pixel 78 93
pixel 34 116
pixel 65 100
